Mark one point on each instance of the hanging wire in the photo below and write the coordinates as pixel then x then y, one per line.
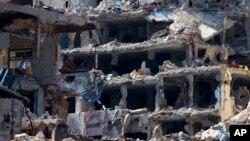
pixel 20 88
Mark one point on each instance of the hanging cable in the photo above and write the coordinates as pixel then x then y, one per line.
pixel 20 88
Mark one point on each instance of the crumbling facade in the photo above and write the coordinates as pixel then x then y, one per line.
pixel 127 69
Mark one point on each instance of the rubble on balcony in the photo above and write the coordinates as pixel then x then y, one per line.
pixel 122 10
pixel 221 130
pixel 116 47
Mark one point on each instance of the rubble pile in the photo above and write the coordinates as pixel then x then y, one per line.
pixel 73 70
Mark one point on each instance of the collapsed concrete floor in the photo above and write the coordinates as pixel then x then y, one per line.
pixel 123 70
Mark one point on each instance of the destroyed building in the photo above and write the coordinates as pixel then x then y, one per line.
pixel 123 69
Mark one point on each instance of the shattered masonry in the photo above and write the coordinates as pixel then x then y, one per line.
pixel 74 70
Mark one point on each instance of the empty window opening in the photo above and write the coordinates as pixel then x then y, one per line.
pixel 134 31
pixel 77 63
pixel 141 97
pixel 71 104
pixel 204 92
pixel 173 127
pixel 136 135
pixel 201 53
pixel 125 65
pixel 104 63
pixel 171 94
pixel 109 98
pixel 131 32
pixel 217 40
pixel 157 26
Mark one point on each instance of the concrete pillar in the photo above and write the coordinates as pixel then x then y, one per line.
pixel 151 55
pixel 80 106
pixel 95 36
pixel 36 49
pixel 85 38
pixel 227 107
pixel 189 54
pixel 71 40
pixel 157 97
pixel 44 66
pixel 114 60
pixel 163 100
pixel 40 106
pixel 190 79
pixel 123 101
pixel 196 49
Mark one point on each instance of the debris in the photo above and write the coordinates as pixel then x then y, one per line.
pixel 123 70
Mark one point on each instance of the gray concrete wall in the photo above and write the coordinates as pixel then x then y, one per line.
pixel 10 109
pixel 53 3
pixel 45 65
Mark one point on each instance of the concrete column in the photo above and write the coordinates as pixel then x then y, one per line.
pixel 85 38
pixel 95 36
pixel 196 49
pixel 80 106
pixel 157 97
pixel 36 49
pixel 71 40
pixel 190 79
pixel 163 100
pixel 114 60
pixel 227 107
pixel 123 101
pixel 44 67
pixel 189 54
pixel 40 106
pixel 151 55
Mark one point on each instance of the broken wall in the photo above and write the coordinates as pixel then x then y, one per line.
pixel 11 112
